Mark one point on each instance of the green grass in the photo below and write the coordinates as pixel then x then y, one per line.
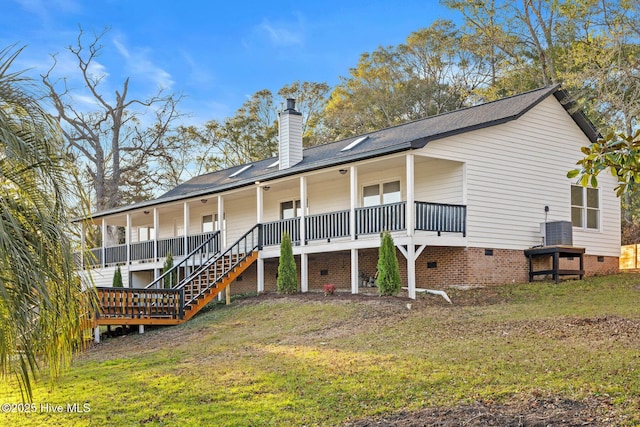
pixel 288 362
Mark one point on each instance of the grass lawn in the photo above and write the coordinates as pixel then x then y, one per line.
pixel 315 360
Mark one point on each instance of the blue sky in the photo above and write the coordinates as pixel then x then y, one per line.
pixel 215 53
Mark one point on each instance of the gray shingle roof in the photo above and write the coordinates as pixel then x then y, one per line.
pixel 403 137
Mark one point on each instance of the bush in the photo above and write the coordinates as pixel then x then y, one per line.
pixel 389 282
pixel 117 279
pixel 171 279
pixel 287 272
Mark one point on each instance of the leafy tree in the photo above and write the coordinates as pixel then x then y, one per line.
pixel 171 279
pixel 389 282
pixel 287 272
pixel 41 297
pixel 116 148
pixel 117 279
pixel 428 74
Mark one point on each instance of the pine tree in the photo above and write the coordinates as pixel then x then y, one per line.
pixel 117 279
pixel 287 272
pixel 171 279
pixel 389 282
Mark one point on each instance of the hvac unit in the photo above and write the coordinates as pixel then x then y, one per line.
pixel 557 233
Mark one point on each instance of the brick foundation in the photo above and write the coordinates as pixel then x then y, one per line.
pixel 435 267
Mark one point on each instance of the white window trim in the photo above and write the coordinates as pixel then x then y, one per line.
pixel 380 184
pixel 585 209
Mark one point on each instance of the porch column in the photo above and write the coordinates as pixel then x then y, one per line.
pixel 185 226
pixel 304 272
pixel 259 218
pixel 104 242
pixel 411 270
pixel 354 271
pixel 303 210
pixel 221 225
pixel 353 191
pixel 96 334
pixel 410 195
pixel 127 239
pixel 156 233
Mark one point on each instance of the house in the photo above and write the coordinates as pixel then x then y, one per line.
pixel 463 193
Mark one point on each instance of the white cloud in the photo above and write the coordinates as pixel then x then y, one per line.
pixel 138 62
pixel 281 35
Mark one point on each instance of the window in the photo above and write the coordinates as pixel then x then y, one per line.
pixel 585 207
pixel 146 233
pixel 381 194
pixel 207 223
pixel 287 211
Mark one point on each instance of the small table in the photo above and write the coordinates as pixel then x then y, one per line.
pixel 556 252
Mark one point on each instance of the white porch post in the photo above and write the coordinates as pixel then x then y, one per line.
pixel 185 226
pixel 156 233
pixel 141 329
pixel 221 223
pixel 353 196
pixel 96 334
pixel 304 272
pixel 259 217
pixel 354 271
pixel 303 210
pixel 411 269
pixel 304 257
pixel 104 242
pixel 127 239
pixel 410 196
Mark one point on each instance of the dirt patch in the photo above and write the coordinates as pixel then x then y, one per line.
pixel 530 413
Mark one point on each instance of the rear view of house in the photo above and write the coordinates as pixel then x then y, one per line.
pixel 464 195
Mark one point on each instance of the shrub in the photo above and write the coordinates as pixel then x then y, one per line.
pixel 170 280
pixel 117 279
pixel 287 272
pixel 329 289
pixel 389 282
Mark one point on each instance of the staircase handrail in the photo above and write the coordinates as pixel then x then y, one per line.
pixel 229 251
pixel 186 259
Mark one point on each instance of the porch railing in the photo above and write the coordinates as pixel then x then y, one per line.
pixel 273 231
pixel 327 226
pixel 434 217
pixel 441 218
pixel 376 219
pixel 135 303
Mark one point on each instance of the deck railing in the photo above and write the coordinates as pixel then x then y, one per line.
pixel 327 226
pixel 434 217
pixel 441 218
pixel 135 303
pixel 376 219
pixel 273 231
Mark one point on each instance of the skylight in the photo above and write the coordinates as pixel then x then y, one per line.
pixel 274 164
pixel 239 171
pixel 354 143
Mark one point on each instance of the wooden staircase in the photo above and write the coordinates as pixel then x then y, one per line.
pixel 204 281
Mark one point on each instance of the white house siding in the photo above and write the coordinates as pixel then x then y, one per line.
pixel 104 276
pixel 330 195
pixel 240 217
pixel 514 170
pixel 438 181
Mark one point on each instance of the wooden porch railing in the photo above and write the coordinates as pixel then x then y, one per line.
pixel 131 305
pixel 376 219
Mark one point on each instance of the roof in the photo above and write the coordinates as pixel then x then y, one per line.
pixel 407 136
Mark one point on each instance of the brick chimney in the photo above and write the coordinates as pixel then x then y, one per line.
pixel 290 136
